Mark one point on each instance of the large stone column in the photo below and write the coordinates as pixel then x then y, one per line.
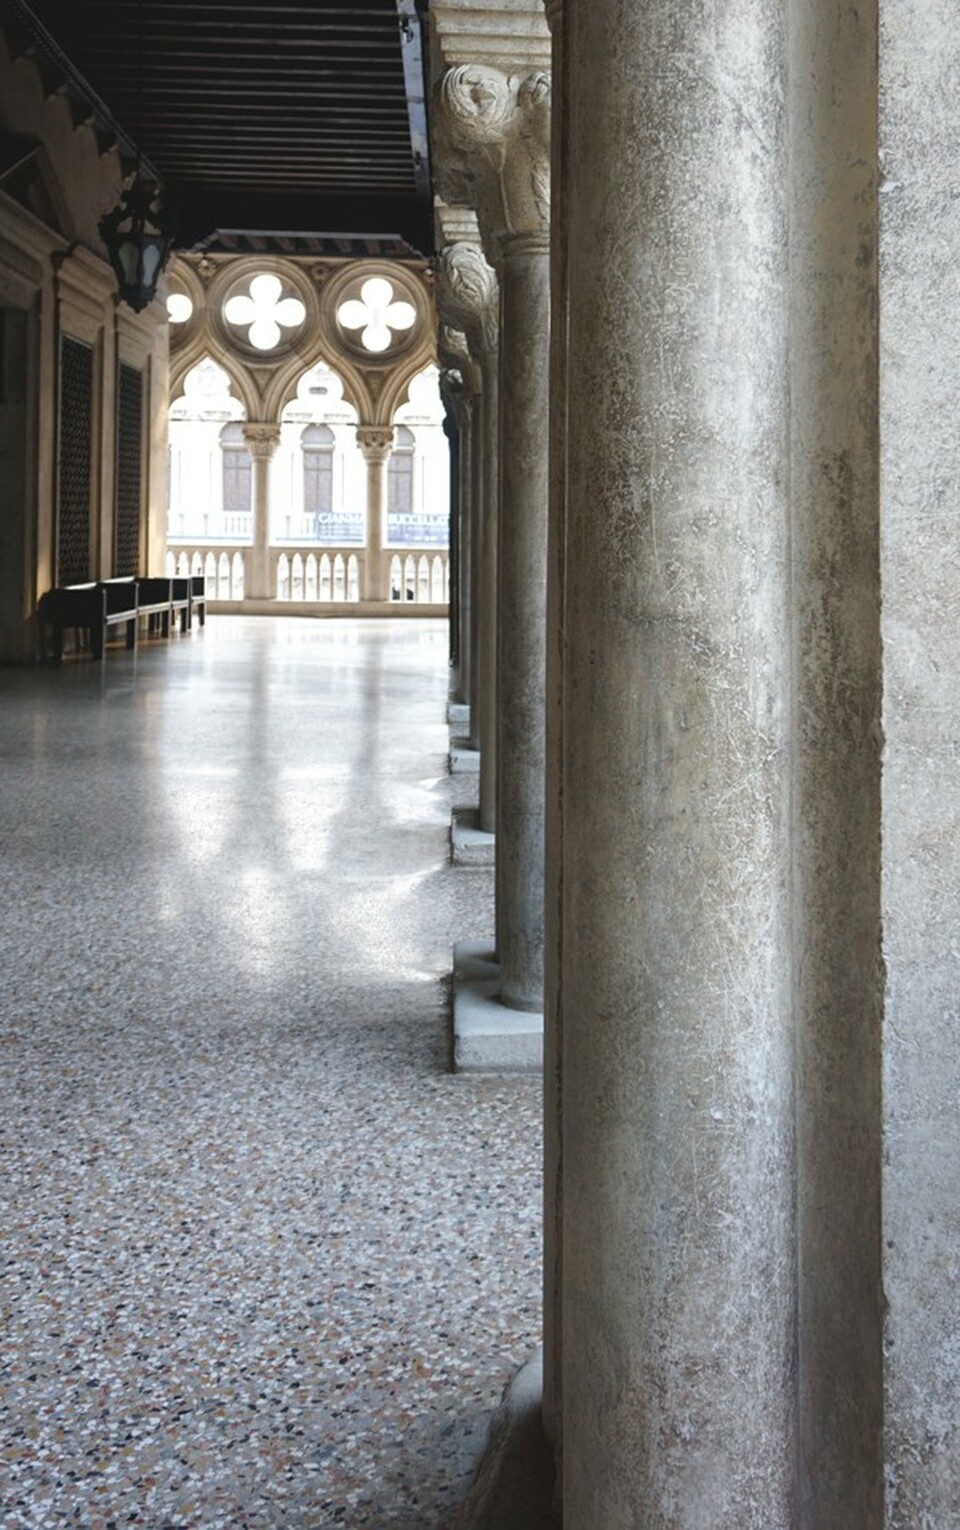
pixel 261 441
pixel 920 549
pixel 678 1255
pixel 500 124
pixel 835 760
pixel 467 296
pixel 376 444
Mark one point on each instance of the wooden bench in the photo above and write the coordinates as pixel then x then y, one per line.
pixel 189 597
pixel 198 597
pixel 91 608
pixel 155 601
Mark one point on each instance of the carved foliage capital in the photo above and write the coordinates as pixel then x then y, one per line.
pixel 375 441
pixel 261 440
pixel 495 134
pixel 467 294
pixel 453 352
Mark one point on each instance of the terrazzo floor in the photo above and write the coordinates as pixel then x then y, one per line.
pixel 264 1261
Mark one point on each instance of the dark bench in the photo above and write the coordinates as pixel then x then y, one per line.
pixel 155 602
pixel 190 598
pixel 198 597
pixel 91 608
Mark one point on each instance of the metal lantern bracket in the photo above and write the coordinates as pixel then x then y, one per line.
pixel 138 234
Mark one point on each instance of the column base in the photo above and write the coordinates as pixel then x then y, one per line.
pixel 515 1485
pixel 487 1036
pixel 458 712
pixel 469 844
pixel 464 758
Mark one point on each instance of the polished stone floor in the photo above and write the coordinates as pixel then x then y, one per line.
pixel 264 1261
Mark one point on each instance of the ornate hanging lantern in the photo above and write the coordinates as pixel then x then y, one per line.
pixel 138 234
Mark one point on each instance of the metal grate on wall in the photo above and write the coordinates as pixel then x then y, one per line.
pixel 129 469
pixel 73 473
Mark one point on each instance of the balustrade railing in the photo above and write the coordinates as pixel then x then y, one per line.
pixel 309 576
pixel 210 526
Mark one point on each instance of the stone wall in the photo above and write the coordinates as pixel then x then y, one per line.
pixel 56 285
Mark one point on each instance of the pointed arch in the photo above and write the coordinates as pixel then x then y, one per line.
pixel 240 382
pixel 397 384
pixel 282 387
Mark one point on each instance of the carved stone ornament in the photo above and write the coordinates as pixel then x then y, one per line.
pixel 375 441
pixel 261 440
pixel 453 352
pixel 467 294
pixel 494 131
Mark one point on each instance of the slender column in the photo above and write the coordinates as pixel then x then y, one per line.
pixel 376 444
pixel 467 295
pixel 454 389
pixel 487 527
pixel 500 124
pixel 678 1085
pixel 553 859
pixel 451 431
pixel 261 441
pixel 524 458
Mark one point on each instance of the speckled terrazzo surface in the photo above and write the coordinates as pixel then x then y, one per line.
pixel 264 1262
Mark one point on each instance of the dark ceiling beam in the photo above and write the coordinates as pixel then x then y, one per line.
pixel 201 213
pixel 411 52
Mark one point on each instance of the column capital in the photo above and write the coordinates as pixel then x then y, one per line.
pixel 454 354
pixel 494 129
pixel 468 296
pixel 375 442
pixel 261 440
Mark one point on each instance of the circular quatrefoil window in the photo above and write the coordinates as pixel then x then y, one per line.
pixel 263 314
pixel 377 319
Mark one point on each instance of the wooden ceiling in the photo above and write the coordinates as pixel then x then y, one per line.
pixel 303 121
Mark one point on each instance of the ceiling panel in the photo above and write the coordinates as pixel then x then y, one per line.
pixel 279 118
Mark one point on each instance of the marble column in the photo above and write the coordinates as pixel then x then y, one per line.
pixel 919 156
pixel 467 295
pixel 678 1258
pixel 500 125
pixel 376 444
pixel 835 755
pixel 460 434
pixel 261 441
pixel 451 431
pixel 524 464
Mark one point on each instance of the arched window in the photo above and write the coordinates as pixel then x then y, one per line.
pixel 400 487
pixel 237 478
pixel 317 445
